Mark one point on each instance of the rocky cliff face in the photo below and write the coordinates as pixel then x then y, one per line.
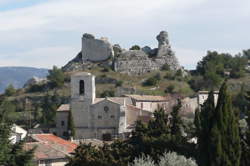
pixel 125 61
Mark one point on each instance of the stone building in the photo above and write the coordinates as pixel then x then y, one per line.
pixel 203 95
pixel 98 117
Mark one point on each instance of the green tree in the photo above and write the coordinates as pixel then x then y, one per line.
pixel 225 139
pixel 10 90
pixel 204 123
pixel 71 126
pixel 245 138
pixel 49 106
pixel 11 154
pixel 176 122
pixel 135 47
pixel 56 77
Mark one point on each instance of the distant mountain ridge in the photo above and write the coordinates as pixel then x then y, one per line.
pixel 17 76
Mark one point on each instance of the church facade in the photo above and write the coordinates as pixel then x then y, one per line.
pixel 96 117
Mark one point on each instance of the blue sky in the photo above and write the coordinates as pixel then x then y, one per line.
pixel 43 33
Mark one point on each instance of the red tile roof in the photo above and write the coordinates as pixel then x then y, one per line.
pixel 53 140
pixel 149 97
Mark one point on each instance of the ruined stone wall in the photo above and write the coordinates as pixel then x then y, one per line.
pixel 96 50
pixel 140 61
pixel 137 62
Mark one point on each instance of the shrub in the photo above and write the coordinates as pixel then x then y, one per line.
pixel 10 90
pixel 170 89
pixel 106 69
pixel 158 76
pixel 152 81
pixel 107 93
pixel 165 67
pixel 168 159
pixel 135 47
pixel 169 75
pixel 119 83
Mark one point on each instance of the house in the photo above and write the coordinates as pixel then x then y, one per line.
pixel 50 150
pixel 17 134
pixel 151 103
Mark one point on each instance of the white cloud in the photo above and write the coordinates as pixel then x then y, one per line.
pixel 53 28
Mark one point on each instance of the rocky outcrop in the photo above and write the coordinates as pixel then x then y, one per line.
pixel 33 81
pixel 164 48
pixel 101 52
pixel 147 59
pixel 96 50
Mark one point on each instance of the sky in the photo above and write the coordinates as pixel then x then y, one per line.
pixel 43 33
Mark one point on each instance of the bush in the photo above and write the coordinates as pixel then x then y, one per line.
pixel 168 159
pixel 158 76
pixel 106 69
pixel 119 83
pixel 152 81
pixel 37 88
pixel 170 89
pixel 165 67
pixel 169 75
pixel 135 47
pixel 108 93
pixel 10 90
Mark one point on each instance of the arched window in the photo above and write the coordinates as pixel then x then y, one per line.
pixel 81 88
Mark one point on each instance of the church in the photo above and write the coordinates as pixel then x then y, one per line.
pixel 104 118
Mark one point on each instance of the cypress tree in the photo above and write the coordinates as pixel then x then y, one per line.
pixel 225 139
pixel 203 123
pixel 176 122
pixel 71 126
pixel 245 139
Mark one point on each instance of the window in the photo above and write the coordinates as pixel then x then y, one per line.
pixel 81 88
pixel 99 117
pixel 112 117
pixel 62 123
pixel 106 109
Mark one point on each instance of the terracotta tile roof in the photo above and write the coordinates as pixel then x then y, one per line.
pixel 149 97
pixel 118 100
pixel 64 108
pixel 56 142
pixel 132 108
pixel 44 151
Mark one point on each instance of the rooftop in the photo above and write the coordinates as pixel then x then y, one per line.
pixel 149 97
pixel 56 142
pixel 64 108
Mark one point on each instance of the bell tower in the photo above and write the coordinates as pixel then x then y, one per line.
pixel 83 87
pixel 82 97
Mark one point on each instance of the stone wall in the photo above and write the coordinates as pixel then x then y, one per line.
pixel 147 59
pixel 125 61
pixel 96 49
pixel 137 62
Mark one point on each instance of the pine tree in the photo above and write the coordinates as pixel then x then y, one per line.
pixel 11 154
pixel 225 139
pixel 203 123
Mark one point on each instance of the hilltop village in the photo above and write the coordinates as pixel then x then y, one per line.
pixel 118 99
